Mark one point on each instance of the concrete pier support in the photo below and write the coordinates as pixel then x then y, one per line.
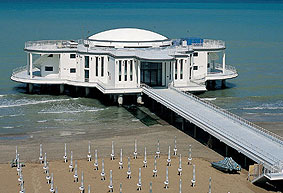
pixel 87 90
pixel 30 88
pixel 172 117
pixel 183 124
pixel 76 90
pixel 61 89
pixel 195 131
pixel 226 150
pixel 139 100
pixel 223 84
pixel 120 100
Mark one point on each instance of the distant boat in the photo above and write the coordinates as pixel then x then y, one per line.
pixel 227 165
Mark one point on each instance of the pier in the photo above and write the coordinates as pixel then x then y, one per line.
pixel 236 134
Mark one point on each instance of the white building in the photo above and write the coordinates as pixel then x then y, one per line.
pixel 119 61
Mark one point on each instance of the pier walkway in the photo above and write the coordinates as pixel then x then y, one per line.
pixel 256 143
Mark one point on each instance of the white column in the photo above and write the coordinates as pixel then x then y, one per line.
pixel 139 73
pixel 27 63
pixel 192 64
pixel 30 65
pixel 224 62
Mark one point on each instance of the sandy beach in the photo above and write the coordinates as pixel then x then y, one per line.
pixel 147 137
pixel 63 179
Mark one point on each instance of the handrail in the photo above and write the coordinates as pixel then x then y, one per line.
pixel 52 44
pixel 227 67
pixel 255 148
pixel 251 125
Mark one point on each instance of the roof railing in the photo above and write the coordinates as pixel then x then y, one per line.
pixel 51 44
pixel 241 120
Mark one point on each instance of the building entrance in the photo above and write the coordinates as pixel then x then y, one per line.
pixel 151 73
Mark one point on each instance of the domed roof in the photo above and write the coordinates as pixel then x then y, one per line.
pixel 128 35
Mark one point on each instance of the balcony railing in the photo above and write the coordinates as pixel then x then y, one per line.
pixel 51 44
pixel 207 43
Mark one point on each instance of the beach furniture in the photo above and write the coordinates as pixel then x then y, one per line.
pixel 158 149
pixel 47 177
pixel 139 184
pixel 180 166
pixel 190 155
pixel 166 182
pixel 102 170
pixel 112 152
pixel 82 188
pixel 56 190
pixel 121 160
pixel 175 146
pixel 150 187
pixel 89 154
pixel 95 161
pixel 194 176
pixel 71 167
pixel 52 184
pixel 227 165
pixel 65 154
pixel 40 154
pixel 45 163
pixel 19 168
pixel 21 179
pixel 129 169
pixel 22 190
pixel 88 189
pixel 180 186
pixel 209 185
pixel 136 149
pixel 76 178
pixel 120 190
pixel 169 157
pixel 110 183
pixel 145 160
pixel 155 167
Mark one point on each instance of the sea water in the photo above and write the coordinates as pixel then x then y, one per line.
pixel 252 32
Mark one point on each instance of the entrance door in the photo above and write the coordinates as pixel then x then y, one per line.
pixel 151 73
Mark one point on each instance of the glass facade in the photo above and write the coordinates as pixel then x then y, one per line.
pixel 151 73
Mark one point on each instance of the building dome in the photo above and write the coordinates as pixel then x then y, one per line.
pixel 128 35
pixel 128 38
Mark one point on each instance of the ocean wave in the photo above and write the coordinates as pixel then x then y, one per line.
pixel 70 111
pixel 41 121
pixel 35 102
pixel 262 108
pixel 8 127
pixel 208 99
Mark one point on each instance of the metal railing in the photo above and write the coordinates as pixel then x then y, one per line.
pixel 51 44
pixel 241 120
pixel 227 67
pixel 19 69
pixel 208 43
pixel 224 134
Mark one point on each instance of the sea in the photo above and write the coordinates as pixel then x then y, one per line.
pixel 253 33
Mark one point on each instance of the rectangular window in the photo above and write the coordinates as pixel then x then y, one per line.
pixel 102 66
pixel 96 66
pixel 72 70
pixel 196 54
pixel 131 70
pixel 195 68
pixel 181 69
pixel 49 68
pixel 120 70
pixel 72 55
pixel 126 69
pixel 86 61
pixel 176 70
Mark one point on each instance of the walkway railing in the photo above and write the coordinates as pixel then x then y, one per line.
pixel 19 69
pixel 208 43
pixel 241 120
pixel 51 44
